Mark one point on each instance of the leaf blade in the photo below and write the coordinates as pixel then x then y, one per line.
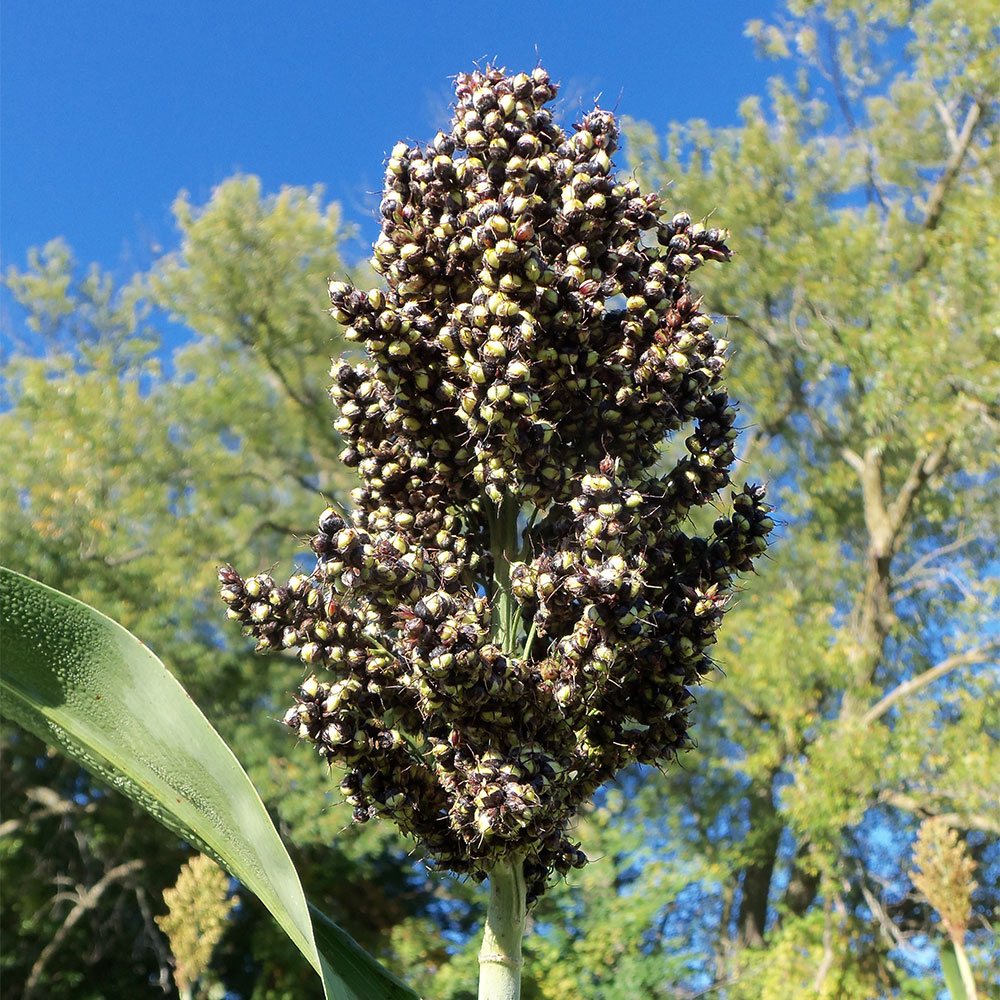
pixel 79 680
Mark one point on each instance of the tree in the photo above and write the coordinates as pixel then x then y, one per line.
pixel 131 472
pixel 861 692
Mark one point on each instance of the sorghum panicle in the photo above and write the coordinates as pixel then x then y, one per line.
pixel 536 342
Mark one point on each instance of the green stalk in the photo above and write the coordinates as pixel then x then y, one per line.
pixel 506 547
pixel 500 956
pixel 964 969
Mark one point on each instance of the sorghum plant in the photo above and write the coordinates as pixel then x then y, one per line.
pixel 945 874
pixel 197 910
pixel 516 606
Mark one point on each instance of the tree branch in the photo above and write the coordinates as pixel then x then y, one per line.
pixel 826 964
pixel 877 518
pixel 836 77
pixel 126 557
pixel 935 203
pixel 162 952
pixel 916 571
pixel 51 805
pixel 784 361
pixel 878 911
pixel 927 677
pixel 885 526
pixel 921 470
pixel 261 319
pixel 853 459
pixel 947 119
pixel 85 900
pixel 961 821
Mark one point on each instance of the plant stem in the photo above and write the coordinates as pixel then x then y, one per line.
pixel 505 545
pixel 500 956
pixel 964 969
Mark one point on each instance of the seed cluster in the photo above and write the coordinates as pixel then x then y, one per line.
pixel 477 675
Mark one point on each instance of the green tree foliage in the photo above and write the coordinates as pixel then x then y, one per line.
pixel 861 693
pixel 862 688
pixel 131 473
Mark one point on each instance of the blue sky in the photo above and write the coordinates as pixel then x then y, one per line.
pixel 110 108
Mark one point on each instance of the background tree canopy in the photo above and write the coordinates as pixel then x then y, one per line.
pixel 860 695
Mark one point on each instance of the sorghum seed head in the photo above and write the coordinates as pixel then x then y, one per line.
pixel 503 372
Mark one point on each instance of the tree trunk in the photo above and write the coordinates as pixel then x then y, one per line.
pixel 765 832
pixel 802 885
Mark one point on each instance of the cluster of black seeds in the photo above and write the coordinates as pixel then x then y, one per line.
pixel 514 611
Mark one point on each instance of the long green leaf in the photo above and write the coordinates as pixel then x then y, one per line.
pixel 80 681
pixel 952 974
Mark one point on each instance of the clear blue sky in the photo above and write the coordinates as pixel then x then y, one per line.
pixel 109 108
